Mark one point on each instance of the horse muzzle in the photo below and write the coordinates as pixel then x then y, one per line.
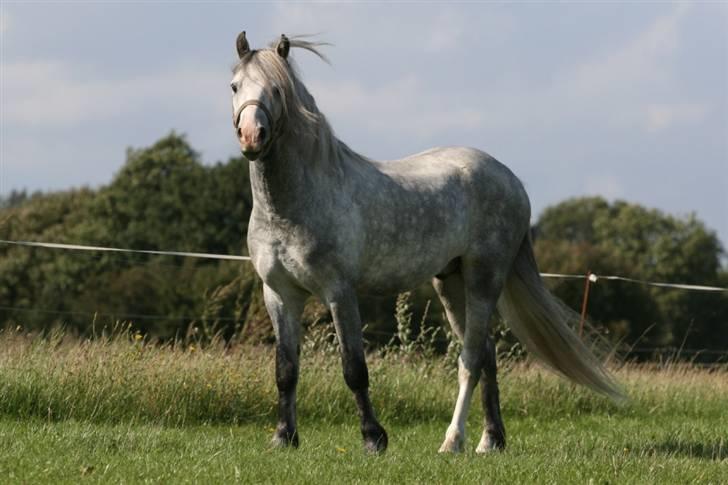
pixel 252 155
pixel 255 134
pixel 253 142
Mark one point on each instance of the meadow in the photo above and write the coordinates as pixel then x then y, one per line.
pixel 122 409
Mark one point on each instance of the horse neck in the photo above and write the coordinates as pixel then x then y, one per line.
pixel 298 172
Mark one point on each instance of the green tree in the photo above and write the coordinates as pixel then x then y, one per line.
pixel 591 234
pixel 162 198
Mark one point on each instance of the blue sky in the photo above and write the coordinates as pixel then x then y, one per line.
pixel 617 99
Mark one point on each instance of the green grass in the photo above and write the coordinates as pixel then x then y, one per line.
pixel 121 410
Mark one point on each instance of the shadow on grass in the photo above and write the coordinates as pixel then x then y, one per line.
pixel 715 450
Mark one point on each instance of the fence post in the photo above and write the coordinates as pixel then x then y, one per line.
pixel 584 303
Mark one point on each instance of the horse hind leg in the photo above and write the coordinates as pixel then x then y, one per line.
pixel 451 291
pixel 469 303
pixel 494 432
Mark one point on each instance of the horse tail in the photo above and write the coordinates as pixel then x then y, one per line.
pixel 541 322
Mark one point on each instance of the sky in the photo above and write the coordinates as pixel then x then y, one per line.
pixel 624 100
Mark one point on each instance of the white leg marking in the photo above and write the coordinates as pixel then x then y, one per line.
pixel 485 445
pixel 455 435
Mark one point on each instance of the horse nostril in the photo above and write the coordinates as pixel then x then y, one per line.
pixel 261 134
pixel 240 133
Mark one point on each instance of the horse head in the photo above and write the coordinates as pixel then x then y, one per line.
pixel 257 97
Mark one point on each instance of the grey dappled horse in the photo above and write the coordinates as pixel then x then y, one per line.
pixel 329 222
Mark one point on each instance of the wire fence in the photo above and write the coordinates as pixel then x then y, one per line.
pixel 590 278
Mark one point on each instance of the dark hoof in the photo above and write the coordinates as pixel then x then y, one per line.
pixel 375 438
pixel 284 438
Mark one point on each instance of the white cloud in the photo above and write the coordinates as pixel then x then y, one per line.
pixel 452 29
pixel 632 85
pixel 52 93
pixel 399 102
pixel 644 61
pixel 621 85
pixel 432 28
pixel 663 116
pixel 4 21
pixel 606 185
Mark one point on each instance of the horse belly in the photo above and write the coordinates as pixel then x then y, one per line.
pixel 409 257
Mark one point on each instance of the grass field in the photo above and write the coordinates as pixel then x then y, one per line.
pixel 122 410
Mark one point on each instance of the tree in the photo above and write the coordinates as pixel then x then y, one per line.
pixel 162 198
pixel 590 234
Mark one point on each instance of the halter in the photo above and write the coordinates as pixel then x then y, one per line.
pixel 254 102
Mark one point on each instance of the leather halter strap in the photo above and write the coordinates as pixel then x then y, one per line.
pixel 263 108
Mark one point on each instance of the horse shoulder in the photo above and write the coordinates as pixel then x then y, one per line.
pixel 309 255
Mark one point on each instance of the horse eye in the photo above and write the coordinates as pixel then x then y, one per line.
pixel 234 87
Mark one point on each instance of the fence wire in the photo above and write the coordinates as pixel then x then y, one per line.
pixel 120 316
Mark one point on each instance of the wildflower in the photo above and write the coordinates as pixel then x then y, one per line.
pixel 138 336
pixel 340 450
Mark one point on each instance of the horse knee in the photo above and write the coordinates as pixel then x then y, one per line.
pixel 470 366
pixel 489 362
pixel 286 369
pixel 356 374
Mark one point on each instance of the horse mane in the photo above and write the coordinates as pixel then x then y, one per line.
pixel 301 117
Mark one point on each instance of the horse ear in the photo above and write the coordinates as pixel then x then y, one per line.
pixel 284 45
pixel 242 45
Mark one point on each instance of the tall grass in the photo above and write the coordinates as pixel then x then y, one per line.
pixel 125 378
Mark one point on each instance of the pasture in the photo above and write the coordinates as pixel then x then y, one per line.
pixel 120 409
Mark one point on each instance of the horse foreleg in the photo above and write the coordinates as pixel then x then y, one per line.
pixel 285 309
pixel 345 312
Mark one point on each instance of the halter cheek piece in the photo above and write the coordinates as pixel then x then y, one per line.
pixel 254 102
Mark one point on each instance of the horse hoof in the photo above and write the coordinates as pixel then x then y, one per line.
pixel 376 447
pixel 453 443
pixel 448 447
pixel 284 438
pixel 490 442
pixel 375 439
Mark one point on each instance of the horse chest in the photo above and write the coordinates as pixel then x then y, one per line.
pixel 282 255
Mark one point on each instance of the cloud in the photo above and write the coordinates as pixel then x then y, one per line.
pixel 630 85
pixel 58 94
pixel 399 102
pixel 663 116
pixel 621 85
pixel 452 29
pixel 430 28
pixel 606 185
pixel 4 21
pixel 644 61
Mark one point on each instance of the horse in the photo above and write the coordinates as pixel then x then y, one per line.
pixel 329 222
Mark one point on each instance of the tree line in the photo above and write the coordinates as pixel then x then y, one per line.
pixel 164 198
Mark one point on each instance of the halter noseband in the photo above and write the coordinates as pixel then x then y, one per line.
pixel 263 108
